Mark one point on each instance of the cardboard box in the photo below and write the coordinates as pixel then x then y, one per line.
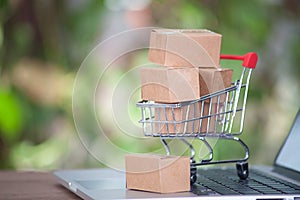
pixel 157 173
pixel 186 47
pixel 173 85
pixel 175 119
pixel 170 85
pixel 213 80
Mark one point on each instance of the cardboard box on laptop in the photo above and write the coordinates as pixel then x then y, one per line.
pixel 157 173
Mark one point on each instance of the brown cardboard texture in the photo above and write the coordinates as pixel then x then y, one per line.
pixel 157 173
pixel 170 85
pixel 180 120
pixel 185 47
pixel 213 80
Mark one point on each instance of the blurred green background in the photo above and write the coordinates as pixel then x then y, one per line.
pixel 43 44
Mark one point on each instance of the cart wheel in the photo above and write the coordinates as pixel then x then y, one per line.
pixel 242 170
pixel 193 172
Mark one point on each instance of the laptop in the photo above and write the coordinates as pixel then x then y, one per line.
pixel 280 181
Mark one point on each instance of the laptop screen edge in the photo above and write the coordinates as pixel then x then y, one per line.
pixel 278 167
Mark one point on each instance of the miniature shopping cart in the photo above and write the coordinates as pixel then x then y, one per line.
pixel 217 115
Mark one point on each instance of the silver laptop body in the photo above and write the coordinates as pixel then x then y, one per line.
pixel 110 184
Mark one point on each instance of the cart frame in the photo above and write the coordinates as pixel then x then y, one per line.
pixel 217 115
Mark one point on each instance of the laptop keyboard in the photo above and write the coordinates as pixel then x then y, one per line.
pixel 226 182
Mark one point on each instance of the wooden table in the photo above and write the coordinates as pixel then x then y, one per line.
pixel 31 185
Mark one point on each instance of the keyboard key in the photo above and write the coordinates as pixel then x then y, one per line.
pixel 201 190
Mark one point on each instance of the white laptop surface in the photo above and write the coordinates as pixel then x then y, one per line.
pixel 280 181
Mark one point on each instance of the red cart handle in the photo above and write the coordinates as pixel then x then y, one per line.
pixel 249 59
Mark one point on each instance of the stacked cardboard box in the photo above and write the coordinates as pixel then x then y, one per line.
pixel 185 48
pixel 189 68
